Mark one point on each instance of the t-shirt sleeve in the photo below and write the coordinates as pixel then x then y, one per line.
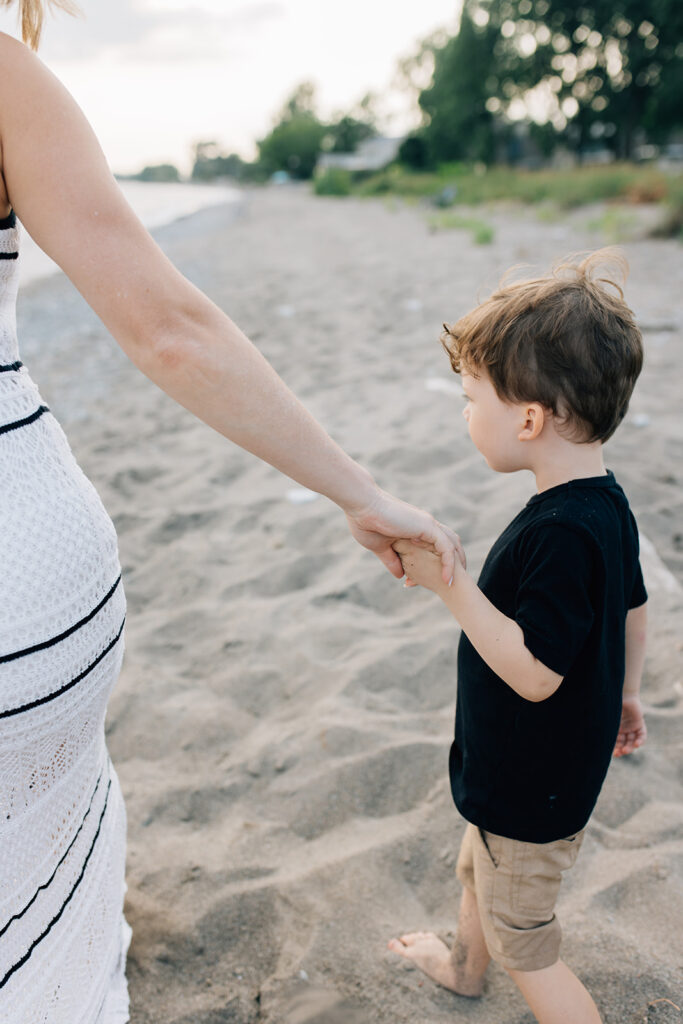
pixel 554 608
pixel 638 593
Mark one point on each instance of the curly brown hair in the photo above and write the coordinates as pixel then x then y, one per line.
pixel 32 14
pixel 567 340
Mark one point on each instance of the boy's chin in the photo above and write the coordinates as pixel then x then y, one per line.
pixel 501 465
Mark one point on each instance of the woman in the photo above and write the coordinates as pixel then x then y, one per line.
pixel 63 938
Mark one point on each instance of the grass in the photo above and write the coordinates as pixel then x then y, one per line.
pixel 548 212
pixel 616 224
pixel 553 192
pixel 334 181
pixel 447 220
pixel 671 225
pixel 558 189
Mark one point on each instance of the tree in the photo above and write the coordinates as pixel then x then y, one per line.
pixel 210 163
pixel 348 129
pixel 346 134
pixel 158 172
pixel 295 143
pixel 460 123
pixel 596 70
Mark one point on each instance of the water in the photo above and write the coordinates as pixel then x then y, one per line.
pixel 155 203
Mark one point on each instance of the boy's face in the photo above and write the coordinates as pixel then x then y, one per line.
pixel 494 425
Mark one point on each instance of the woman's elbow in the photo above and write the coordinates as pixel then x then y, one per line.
pixel 168 340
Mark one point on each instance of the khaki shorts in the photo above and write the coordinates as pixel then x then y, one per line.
pixel 516 885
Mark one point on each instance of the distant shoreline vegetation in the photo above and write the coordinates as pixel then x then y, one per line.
pixel 531 100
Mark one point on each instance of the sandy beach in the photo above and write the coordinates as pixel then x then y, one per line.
pixel 282 723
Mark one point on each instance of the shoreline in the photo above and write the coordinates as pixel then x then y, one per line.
pixel 282 722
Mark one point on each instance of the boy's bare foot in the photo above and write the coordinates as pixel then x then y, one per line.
pixel 434 958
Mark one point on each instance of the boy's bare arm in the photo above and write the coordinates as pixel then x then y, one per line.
pixel 498 639
pixel 636 639
pixel 632 729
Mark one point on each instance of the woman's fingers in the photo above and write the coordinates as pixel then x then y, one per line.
pixel 446 544
pixel 377 526
pixel 390 559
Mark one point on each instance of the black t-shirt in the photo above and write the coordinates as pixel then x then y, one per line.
pixel 567 570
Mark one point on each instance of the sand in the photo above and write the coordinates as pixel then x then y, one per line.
pixel 282 722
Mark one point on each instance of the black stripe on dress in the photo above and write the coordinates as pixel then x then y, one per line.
pixel 60 636
pixel 45 885
pixel 9 221
pixel 8 367
pixel 9 255
pixel 53 922
pixel 26 420
pixel 67 686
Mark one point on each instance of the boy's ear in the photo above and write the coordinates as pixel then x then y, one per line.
pixel 533 417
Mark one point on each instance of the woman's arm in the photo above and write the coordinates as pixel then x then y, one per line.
pixel 62 190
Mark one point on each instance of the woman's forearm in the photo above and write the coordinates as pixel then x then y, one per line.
pixel 207 364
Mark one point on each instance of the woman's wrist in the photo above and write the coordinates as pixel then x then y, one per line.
pixel 360 495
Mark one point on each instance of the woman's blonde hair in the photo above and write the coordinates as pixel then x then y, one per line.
pixel 32 13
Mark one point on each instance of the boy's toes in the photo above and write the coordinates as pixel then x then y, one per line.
pixel 397 946
pixel 404 942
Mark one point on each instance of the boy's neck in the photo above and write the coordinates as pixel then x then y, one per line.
pixel 568 461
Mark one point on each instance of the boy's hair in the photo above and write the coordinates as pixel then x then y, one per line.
pixel 562 340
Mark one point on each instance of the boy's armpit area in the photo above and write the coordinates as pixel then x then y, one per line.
pixel 516 885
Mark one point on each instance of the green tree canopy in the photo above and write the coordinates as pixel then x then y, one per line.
pixel 346 134
pixel 459 125
pixel 210 163
pixel 595 69
pixel 295 142
pixel 158 172
pixel 590 72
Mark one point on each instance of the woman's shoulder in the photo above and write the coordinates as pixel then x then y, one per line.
pixel 13 50
pixel 23 75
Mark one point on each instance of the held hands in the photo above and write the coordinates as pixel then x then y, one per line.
pixel 380 525
pixel 423 567
pixel 632 730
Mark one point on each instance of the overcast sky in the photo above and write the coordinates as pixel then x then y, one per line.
pixel 154 76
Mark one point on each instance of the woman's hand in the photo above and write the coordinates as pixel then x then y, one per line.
pixel 387 519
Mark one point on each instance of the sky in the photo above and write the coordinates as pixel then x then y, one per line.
pixel 156 76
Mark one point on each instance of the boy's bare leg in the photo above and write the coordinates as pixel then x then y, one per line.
pixel 556 996
pixel 461 968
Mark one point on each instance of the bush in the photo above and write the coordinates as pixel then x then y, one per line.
pixel 334 181
pixel 414 153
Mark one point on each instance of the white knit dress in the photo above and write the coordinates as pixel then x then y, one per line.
pixel 63 938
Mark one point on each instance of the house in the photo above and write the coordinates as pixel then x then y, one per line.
pixel 371 155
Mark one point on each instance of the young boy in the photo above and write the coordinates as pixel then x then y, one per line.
pixel 553 635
